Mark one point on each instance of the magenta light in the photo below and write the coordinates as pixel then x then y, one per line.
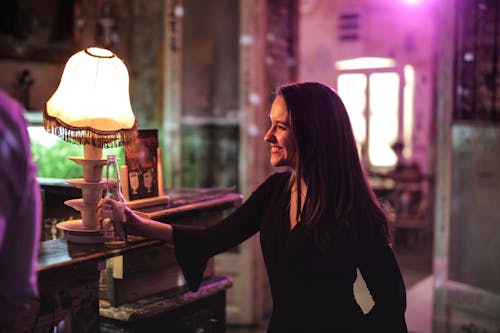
pixel 412 2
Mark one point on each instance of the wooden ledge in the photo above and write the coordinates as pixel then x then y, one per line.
pixel 163 302
pixel 180 207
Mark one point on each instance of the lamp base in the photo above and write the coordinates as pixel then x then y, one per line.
pixel 75 232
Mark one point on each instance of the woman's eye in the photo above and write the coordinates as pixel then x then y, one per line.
pixel 281 127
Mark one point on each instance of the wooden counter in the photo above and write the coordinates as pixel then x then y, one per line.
pixel 69 274
pixel 176 310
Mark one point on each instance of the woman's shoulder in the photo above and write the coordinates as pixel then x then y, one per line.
pixel 274 181
pixel 270 188
pixel 280 177
pixel 283 175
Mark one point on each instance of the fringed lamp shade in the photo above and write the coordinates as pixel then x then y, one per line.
pixel 91 106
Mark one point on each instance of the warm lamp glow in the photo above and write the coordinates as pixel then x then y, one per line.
pixel 92 105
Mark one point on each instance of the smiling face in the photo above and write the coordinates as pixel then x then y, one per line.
pixel 280 136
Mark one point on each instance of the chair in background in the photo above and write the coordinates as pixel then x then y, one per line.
pixel 410 222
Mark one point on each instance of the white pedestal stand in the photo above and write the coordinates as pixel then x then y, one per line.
pixel 88 229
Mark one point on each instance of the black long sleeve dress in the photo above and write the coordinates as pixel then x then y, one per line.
pixel 312 290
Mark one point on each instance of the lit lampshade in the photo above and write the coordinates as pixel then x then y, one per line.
pixel 91 107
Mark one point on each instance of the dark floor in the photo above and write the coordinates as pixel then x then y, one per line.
pixel 415 261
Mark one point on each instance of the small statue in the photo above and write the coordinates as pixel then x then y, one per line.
pixel 25 82
pixel 107 33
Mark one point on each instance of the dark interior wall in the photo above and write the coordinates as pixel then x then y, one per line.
pixel 477 60
pixel 147 29
pixel 210 58
pixel 210 93
pixel 281 43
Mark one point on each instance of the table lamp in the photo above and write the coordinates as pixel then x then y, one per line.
pixel 91 107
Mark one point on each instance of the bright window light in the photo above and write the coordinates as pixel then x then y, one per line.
pixel 379 98
pixel 352 90
pixel 39 134
pixel 408 110
pixel 384 101
pixel 364 63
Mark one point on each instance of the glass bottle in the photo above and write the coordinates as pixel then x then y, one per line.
pixel 113 221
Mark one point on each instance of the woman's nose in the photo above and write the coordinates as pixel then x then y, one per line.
pixel 269 137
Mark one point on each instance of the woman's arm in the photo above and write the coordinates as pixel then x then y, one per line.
pixel 195 244
pixel 381 273
pixel 137 225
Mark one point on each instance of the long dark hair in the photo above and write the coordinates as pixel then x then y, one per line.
pixel 337 186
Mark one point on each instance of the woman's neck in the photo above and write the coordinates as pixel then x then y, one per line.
pixel 303 187
pixel 294 201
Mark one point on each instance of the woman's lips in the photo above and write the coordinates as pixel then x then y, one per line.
pixel 275 149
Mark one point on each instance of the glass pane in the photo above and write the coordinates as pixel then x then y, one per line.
pixel 352 90
pixel 384 100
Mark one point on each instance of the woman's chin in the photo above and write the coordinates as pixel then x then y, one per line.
pixel 278 163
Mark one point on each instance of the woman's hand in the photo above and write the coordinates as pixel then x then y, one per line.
pixel 121 211
pixel 137 225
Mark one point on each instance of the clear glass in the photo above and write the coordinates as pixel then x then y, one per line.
pixel 114 227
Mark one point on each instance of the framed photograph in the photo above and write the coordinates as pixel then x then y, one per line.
pixel 52 30
pixel 142 165
pixel 41 30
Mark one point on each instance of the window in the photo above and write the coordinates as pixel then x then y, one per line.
pixel 379 101
pixel 50 153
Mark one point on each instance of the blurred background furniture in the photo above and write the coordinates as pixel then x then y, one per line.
pixel 409 212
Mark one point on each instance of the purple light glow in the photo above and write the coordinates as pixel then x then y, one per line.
pixel 412 2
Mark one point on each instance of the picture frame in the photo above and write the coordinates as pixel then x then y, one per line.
pixel 50 31
pixel 142 165
pixel 37 30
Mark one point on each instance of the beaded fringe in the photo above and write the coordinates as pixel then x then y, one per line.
pixel 88 135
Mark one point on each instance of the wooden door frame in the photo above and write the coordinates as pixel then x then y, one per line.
pixel 457 305
pixel 245 266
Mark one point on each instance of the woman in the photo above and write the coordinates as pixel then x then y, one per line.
pixel 318 223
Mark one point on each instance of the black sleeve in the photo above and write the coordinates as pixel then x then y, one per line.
pixel 381 273
pixel 194 245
